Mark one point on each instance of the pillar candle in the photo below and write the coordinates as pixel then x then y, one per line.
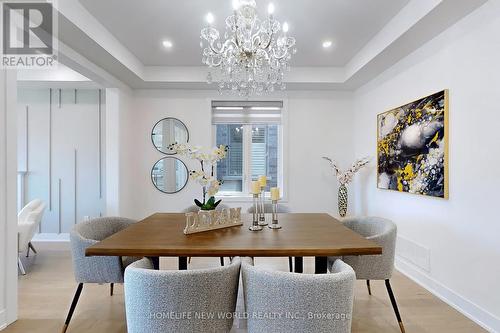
pixel 255 188
pixel 275 193
pixel 263 181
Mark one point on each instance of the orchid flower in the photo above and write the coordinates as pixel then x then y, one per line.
pixel 208 160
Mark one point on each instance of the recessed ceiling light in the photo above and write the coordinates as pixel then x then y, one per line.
pixel 327 44
pixel 210 18
pixel 285 27
pixel 270 9
pixel 167 44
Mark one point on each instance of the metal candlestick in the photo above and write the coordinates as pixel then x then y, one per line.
pixel 262 210
pixel 275 224
pixel 255 216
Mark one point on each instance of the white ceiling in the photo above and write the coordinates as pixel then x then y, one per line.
pixel 141 26
pixel 117 43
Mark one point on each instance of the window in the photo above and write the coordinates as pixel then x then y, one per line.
pixel 253 132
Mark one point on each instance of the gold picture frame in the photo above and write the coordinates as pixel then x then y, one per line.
pixel 413 147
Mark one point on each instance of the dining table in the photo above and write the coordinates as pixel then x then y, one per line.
pixel 317 235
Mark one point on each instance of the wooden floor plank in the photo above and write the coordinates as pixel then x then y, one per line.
pixel 46 292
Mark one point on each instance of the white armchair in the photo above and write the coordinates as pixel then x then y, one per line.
pixel 28 220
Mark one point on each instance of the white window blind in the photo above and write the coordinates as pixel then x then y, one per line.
pixel 246 112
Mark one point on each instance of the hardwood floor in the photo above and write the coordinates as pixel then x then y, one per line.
pixel 46 292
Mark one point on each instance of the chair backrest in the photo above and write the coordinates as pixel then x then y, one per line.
pixel 381 231
pixel 28 220
pixel 99 228
pixel 26 214
pixel 268 208
pixel 96 269
pixel 180 301
pixel 369 226
pixel 299 302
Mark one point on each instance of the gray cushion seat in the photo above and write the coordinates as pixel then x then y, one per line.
pixel 180 301
pixel 299 302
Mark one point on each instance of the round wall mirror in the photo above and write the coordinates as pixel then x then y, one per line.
pixel 168 131
pixel 169 175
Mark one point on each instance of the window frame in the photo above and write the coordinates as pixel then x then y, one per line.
pixel 244 195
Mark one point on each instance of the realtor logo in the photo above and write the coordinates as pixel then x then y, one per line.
pixel 28 35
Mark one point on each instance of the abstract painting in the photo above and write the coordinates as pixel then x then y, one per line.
pixel 412 147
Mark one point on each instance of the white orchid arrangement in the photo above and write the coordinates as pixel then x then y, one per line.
pixel 345 177
pixel 205 177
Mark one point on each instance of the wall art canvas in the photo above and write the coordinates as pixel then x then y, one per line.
pixel 412 147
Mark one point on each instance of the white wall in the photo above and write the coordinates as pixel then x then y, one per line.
pixel 75 126
pixel 8 195
pixel 461 233
pixel 318 124
pixel 120 155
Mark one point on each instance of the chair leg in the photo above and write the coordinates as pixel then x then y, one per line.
pixel 189 260
pixel 21 266
pixel 222 261
pixel 111 289
pixel 30 246
pixel 369 288
pixel 290 264
pixel 72 307
pixel 394 305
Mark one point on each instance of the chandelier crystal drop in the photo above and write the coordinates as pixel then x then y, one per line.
pixel 252 56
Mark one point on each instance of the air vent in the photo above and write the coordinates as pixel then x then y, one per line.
pixel 414 253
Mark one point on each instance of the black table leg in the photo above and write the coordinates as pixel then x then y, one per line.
pixel 156 262
pixel 183 263
pixel 321 265
pixel 299 264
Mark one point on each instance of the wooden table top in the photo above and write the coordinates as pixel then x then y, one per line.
pixel 302 235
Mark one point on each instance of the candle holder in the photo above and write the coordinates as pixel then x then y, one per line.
pixel 255 216
pixel 262 209
pixel 275 224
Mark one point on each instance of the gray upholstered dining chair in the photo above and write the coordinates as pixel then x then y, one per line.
pixel 290 298
pixel 375 267
pixel 268 209
pixel 194 209
pixel 95 269
pixel 209 295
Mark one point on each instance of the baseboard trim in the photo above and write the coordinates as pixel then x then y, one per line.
pixel 51 242
pixel 3 320
pixel 485 319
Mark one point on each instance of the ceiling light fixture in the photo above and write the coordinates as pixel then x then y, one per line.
pixel 327 44
pixel 270 9
pixel 210 18
pixel 252 55
pixel 167 44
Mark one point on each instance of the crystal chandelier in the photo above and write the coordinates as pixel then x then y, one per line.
pixel 254 55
